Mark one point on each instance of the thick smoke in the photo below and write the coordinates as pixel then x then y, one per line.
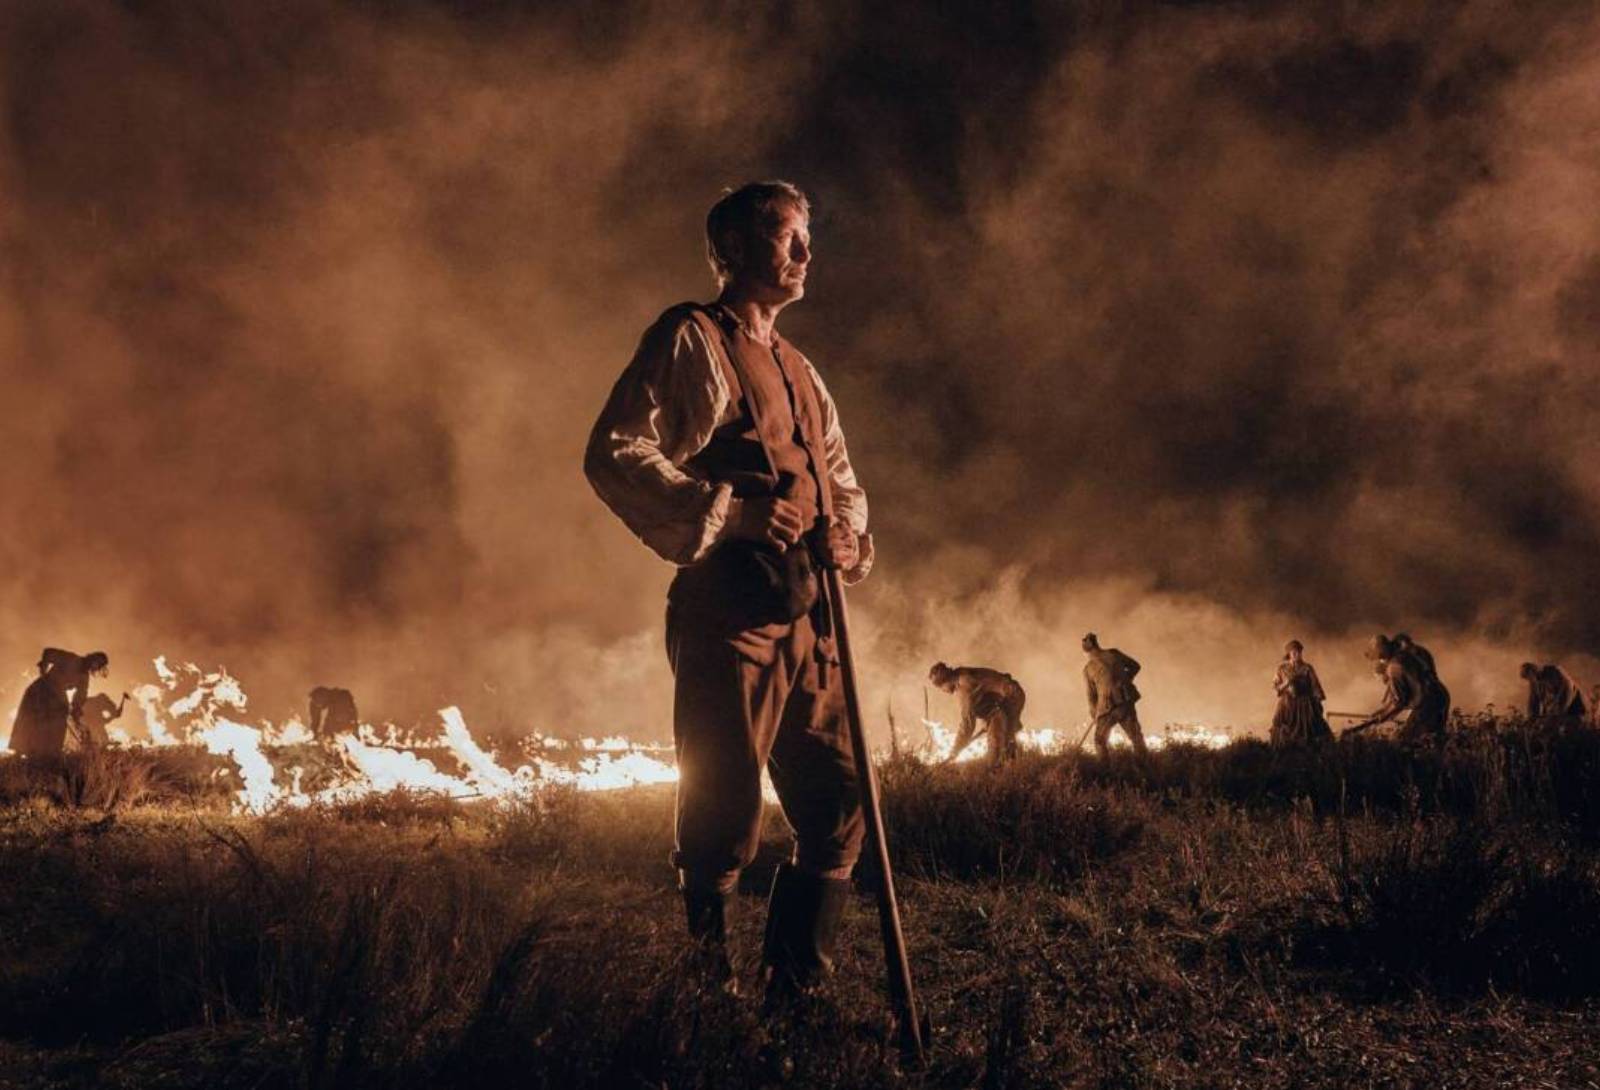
pixel 1196 326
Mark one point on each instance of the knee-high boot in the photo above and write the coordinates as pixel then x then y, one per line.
pixel 802 930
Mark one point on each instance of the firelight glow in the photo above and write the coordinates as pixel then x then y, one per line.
pixel 188 705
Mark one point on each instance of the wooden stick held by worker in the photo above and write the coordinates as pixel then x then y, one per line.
pixel 902 992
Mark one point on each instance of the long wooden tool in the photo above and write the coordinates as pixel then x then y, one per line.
pixel 1084 737
pixel 902 996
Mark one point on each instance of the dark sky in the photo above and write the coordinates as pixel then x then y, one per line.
pixel 1200 325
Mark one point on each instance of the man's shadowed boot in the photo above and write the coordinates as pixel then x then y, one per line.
pixel 802 930
pixel 707 914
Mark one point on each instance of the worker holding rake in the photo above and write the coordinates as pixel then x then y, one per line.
pixel 721 449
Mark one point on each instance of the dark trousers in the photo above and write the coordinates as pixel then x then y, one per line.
pixel 1125 716
pixel 1429 719
pixel 752 700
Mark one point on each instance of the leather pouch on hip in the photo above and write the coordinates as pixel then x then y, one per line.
pixel 745 584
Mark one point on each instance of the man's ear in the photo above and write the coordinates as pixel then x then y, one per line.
pixel 733 250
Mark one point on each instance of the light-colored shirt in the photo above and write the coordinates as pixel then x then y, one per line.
pixel 662 411
pixel 1108 677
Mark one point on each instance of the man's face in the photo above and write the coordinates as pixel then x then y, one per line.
pixel 773 266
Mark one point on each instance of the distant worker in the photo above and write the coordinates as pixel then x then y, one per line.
pixel 1552 693
pixel 986 695
pixel 1408 687
pixel 1109 675
pixel 1423 656
pixel 333 711
pixel 99 711
pixel 54 700
pixel 1298 719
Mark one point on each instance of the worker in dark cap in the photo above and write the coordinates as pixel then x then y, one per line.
pixel 1113 699
pixel 988 696
pixel 1408 688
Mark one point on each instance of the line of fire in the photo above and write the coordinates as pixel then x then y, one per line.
pixel 305 760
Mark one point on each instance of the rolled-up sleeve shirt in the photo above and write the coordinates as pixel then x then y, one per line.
pixel 662 412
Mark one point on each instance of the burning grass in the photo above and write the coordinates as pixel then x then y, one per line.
pixel 1221 918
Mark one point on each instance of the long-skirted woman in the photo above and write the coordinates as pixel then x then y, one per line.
pixel 1298 720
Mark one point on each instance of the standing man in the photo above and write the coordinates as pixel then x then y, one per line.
pixel 1109 675
pixel 722 450
pixel 988 695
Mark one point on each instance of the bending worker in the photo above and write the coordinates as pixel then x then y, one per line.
pixel 1553 695
pixel 55 699
pixel 987 696
pixel 1409 686
pixel 331 711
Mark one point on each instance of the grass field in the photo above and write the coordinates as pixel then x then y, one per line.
pixel 1232 918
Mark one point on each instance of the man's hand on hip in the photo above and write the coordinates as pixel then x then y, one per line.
pixel 841 548
pixel 769 519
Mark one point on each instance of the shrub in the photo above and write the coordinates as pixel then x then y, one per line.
pixel 1463 906
pixel 113 778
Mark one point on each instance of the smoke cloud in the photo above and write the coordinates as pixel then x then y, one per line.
pixel 1197 326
